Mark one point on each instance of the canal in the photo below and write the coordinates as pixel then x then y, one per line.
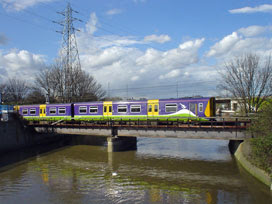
pixel 159 171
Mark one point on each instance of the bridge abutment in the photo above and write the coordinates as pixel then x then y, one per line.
pixel 233 145
pixel 117 144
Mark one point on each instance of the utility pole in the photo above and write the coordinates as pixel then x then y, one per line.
pixel 69 57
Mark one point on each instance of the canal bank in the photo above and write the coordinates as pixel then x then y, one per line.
pixel 240 154
pixel 16 135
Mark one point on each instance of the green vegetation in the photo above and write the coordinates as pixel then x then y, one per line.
pixel 261 144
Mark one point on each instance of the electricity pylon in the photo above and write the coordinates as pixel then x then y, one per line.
pixel 69 58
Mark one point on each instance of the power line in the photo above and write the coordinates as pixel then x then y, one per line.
pixel 27 22
pixel 164 86
pixel 114 33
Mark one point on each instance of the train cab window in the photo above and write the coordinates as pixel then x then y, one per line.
pixel 156 108
pixel 25 111
pixel 135 108
pixel 122 109
pixel 171 107
pixel 149 108
pixel 200 107
pixel 93 109
pixel 62 110
pixel 82 109
pixel 52 111
pixel 32 111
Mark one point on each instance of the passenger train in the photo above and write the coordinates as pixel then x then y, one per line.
pixel 160 109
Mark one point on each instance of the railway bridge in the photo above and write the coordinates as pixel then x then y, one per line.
pixel 118 132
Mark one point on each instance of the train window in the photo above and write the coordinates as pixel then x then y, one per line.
pixel 135 108
pixel 52 111
pixel 156 108
pixel 149 108
pixel 32 111
pixel 171 107
pixel 82 109
pixel 93 109
pixel 122 109
pixel 200 107
pixel 192 107
pixel 110 109
pixel 41 111
pixel 105 109
pixel 62 110
pixel 25 111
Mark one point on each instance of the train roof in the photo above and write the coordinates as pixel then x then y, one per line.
pixel 130 101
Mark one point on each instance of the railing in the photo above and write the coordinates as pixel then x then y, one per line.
pixel 214 123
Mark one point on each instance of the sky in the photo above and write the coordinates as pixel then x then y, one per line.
pixel 137 48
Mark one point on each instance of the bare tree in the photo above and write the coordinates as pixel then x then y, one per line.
pixel 69 85
pixel 248 78
pixel 35 96
pixel 15 91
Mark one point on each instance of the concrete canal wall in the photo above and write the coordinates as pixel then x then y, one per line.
pixel 244 149
pixel 15 135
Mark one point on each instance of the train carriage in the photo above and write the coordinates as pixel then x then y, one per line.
pixel 46 112
pixel 159 109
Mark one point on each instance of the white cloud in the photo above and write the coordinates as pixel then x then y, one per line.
pixel 18 5
pixel 21 64
pixel 91 24
pixel 156 38
pixel 115 59
pixel 244 40
pixel 134 78
pixel 113 12
pixel 261 8
pixel 185 54
pixel 225 45
pixel 254 30
pixel 172 74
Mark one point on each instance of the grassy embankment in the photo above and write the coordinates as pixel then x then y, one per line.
pixel 260 153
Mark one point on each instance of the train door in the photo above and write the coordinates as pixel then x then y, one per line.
pixel 107 108
pixel 153 107
pixel 193 108
pixel 42 110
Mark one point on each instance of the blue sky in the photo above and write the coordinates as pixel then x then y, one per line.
pixel 138 43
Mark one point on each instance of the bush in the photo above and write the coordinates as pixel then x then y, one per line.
pixel 262 143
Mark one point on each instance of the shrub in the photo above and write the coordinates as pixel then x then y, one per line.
pixel 262 142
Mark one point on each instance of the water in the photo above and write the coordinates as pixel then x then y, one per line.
pixel 160 171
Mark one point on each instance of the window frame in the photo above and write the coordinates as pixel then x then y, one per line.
pixel 79 111
pixel 124 106
pixel 134 106
pixel 62 108
pixel 202 107
pixel 93 107
pixel 173 105
pixel 53 108
pixel 25 109
pixel 32 109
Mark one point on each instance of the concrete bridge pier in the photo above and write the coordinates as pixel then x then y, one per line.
pixel 233 145
pixel 118 144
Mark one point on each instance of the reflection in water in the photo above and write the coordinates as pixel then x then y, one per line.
pixel 160 171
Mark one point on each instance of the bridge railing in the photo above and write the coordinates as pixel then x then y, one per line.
pixel 231 123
